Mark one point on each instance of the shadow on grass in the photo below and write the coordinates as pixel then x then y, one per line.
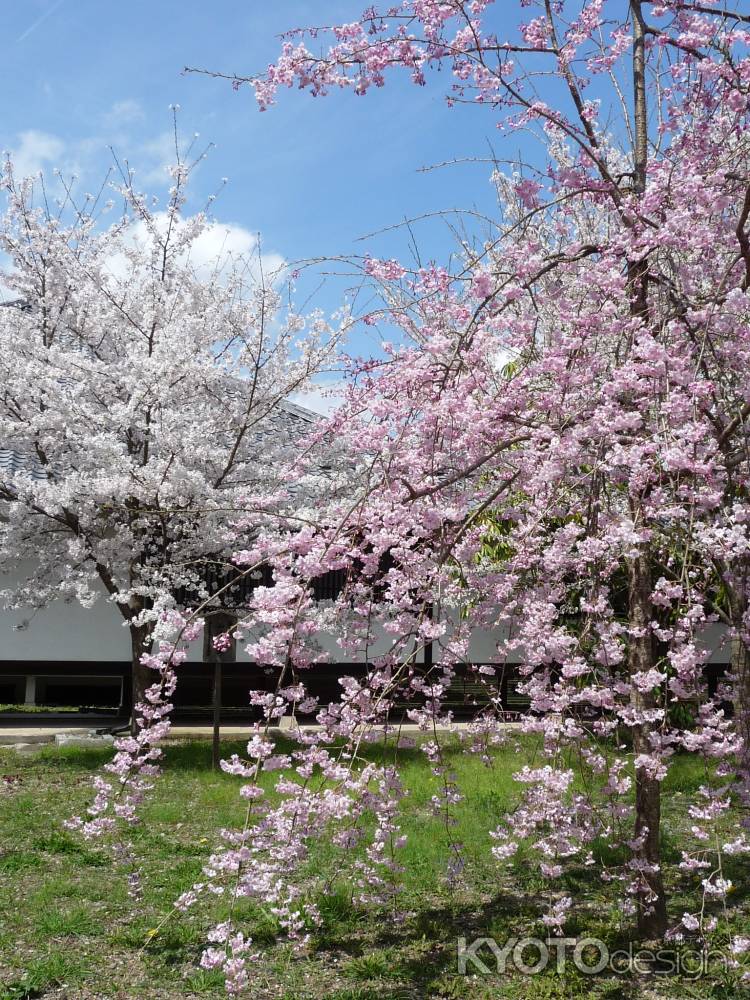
pixel 423 946
pixel 195 755
pixel 42 975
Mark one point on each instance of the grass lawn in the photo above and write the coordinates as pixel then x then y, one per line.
pixel 68 930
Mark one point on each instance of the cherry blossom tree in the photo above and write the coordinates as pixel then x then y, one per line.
pixel 556 443
pixel 144 393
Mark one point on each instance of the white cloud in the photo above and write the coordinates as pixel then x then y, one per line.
pixel 153 158
pixel 221 242
pixel 218 247
pixel 89 157
pixel 123 113
pixel 213 251
pixel 36 151
pixel 321 398
pixel 6 294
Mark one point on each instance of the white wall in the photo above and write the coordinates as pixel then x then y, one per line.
pixel 483 642
pixel 63 631
pixel 715 638
pixel 67 631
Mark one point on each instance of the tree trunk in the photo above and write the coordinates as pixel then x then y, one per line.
pixel 739 663
pixel 652 903
pixel 142 677
pixel 217 624
pixel 640 107
pixel 216 736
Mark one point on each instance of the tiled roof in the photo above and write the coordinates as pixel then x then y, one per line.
pixel 21 304
pixel 287 423
pixel 12 463
pixel 283 425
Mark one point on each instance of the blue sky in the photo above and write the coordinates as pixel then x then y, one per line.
pixel 311 175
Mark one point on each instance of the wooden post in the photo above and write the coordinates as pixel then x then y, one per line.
pixel 141 677
pixel 217 623
pixel 652 903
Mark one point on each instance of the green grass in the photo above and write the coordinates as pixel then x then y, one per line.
pixel 36 709
pixel 68 929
